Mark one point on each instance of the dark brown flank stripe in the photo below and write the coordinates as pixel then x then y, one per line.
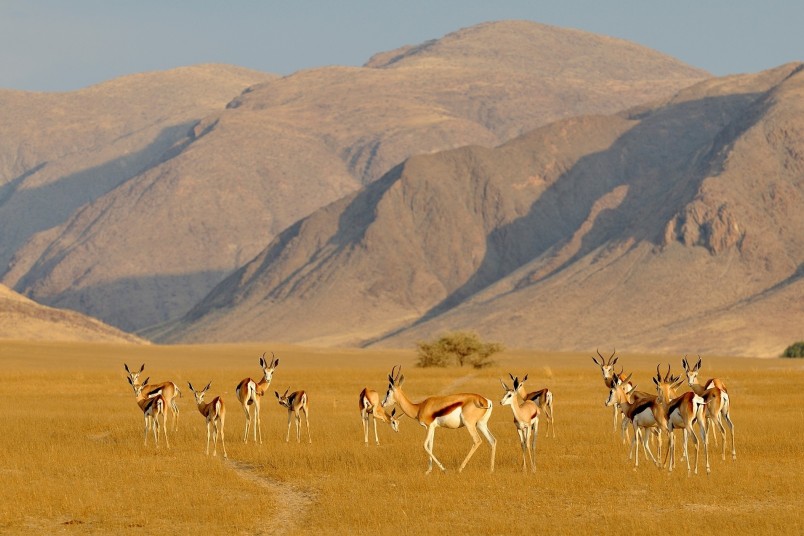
pixel 294 396
pixel 536 395
pixel 447 410
pixel 153 392
pixel 675 403
pixel 638 408
pixel 362 396
pixel 150 403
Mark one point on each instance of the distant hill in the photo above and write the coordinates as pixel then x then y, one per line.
pixel 672 227
pixel 24 319
pixel 131 200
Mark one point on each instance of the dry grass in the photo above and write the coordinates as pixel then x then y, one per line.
pixel 72 459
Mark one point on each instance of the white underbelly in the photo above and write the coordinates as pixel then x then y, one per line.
pixel 450 420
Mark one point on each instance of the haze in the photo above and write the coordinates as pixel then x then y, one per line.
pixel 47 45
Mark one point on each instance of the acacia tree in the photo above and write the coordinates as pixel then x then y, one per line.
pixel 794 350
pixel 458 348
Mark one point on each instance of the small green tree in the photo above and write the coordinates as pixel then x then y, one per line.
pixel 460 348
pixel 794 350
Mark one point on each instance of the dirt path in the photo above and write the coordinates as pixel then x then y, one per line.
pixel 294 501
pixel 453 387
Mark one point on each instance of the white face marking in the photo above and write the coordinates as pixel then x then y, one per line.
pixel 507 399
pixel 389 397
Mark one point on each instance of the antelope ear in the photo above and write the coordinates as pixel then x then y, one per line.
pixel 276 363
pixel 656 382
pixel 524 379
pixel 126 367
pixel 191 386
pixel 390 380
pixel 146 381
pixel 393 412
pixel 399 382
pixel 262 362
pixel 142 367
pixel 615 360
pixel 207 387
pixel 129 381
pixel 595 360
pixel 277 395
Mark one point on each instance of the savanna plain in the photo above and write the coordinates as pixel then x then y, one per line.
pixel 72 458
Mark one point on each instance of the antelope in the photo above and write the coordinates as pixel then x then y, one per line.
pixel 451 411
pixel 152 407
pixel 542 397
pixel 215 413
pixel 643 413
pixel 681 412
pixel 168 389
pixel 718 404
pixel 370 406
pixel 607 368
pixel 250 392
pixel 296 403
pixel 526 419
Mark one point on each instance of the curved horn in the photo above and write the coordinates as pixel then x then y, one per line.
pixel 667 375
pixel 698 365
pixel 504 386
pixel 658 372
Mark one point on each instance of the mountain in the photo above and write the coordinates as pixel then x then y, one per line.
pixel 24 319
pixel 155 235
pixel 673 227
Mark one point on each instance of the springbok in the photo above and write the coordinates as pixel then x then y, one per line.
pixel 542 397
pixel 215 414
pixel 296 403
pixel 681 412
pixel 718 404
pixel 526 419
pixel 152 407
pixel 644 413
pixel 370 407
pixel 607 368
pixel 250 393
pixel 451 411
pixel 168 389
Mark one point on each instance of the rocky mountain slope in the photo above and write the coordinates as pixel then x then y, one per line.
pixel 157 204
pixel 670 227
pixel 24 319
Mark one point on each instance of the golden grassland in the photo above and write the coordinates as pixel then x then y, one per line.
pixel 72 458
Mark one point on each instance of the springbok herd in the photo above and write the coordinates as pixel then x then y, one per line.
pixel 650 415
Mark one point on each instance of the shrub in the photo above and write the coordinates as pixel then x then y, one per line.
pixel 794 350
pixel 458 348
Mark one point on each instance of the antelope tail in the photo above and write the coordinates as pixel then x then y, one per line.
pixel 481 406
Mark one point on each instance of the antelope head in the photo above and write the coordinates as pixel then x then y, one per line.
pixel 508 397
pixel 617 392
pixel 284 400
pixel 394 382
pixel 199 395
pixel 666 386
pixel 606 366
pixel 138 387
pixel 268 368
pixel 134 376
pixel 691 372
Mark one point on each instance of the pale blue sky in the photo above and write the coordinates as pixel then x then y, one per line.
pixel 52 45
